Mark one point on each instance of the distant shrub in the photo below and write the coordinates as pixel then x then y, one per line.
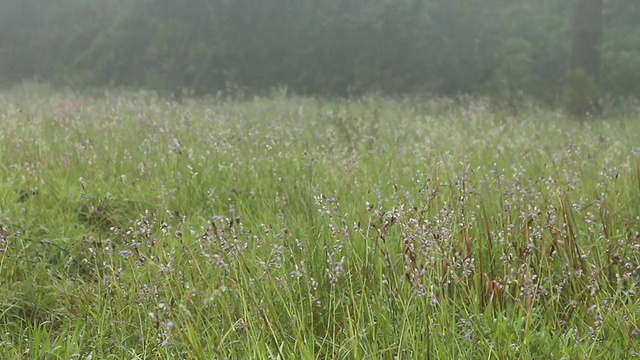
pixel 581 96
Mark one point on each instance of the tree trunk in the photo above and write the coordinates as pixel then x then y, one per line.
pixel 585 55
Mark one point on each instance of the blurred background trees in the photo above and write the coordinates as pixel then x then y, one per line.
pixel 583 79
pixel 505 49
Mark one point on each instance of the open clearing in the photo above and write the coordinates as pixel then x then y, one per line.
pixel 134 227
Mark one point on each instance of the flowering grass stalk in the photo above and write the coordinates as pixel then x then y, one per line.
pixel 134 227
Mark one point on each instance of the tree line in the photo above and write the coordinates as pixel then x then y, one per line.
pixel 506 49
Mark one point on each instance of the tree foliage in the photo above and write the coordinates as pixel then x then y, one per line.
pixel 501 48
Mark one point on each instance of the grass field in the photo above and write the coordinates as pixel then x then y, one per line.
pixel 132 227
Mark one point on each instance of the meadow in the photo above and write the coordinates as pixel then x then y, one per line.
pixel 135 227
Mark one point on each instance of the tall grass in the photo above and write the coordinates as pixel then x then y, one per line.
pixel 135 227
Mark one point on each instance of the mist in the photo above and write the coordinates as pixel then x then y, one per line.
pixel 503 49
pixel 319 179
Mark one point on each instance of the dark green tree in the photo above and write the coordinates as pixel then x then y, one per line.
pixel 505 49
pixel 583 80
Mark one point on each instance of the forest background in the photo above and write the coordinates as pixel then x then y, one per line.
pixel 507 50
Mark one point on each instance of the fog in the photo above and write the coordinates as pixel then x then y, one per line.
pixel 319 179
pixel 504 49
